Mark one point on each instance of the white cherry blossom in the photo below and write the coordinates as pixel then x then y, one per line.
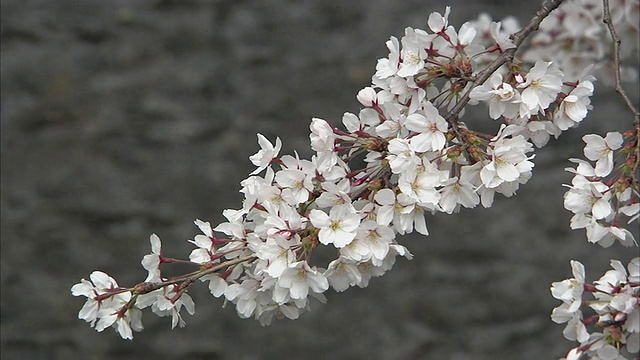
pixel 456 192
pixel 389 66
pixel 244 295
pixel 500 38
pixel 299 183
pixel 124 323
pixel 337 228
pixel 430 127
pixel 570 291
pixel 377 239
pixel 151 262
pixel 299 278
pixel 601 149
pixel 543 83
pixel 342 273
pixel 393 124
pixel 588 197
pixel 279 253
pixel 402 156
pixel 420 184
pixel 100 283
pixel 503 99
pixel 509 159
pixel 574 106
pixel 165 304
pixel 334 194
pixel 413 54
pixel 322 136
pixel 438 23
pixel 266 154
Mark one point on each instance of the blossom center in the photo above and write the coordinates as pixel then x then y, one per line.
pixel 276 199
pixel 301 275
pixel 335 225
pixel 412 58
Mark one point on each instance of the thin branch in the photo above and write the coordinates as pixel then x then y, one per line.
pixel 147 287
pixel 547 7
pixel 619 89
pixel 616 64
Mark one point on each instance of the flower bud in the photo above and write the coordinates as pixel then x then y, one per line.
pixel 450 135
pixel 475 153
pixel 472 139
pixel 454 152
pixel 629 133
pixel 616 334
pixel 519 78
pixel 605 320
pixel 376 145
pixel 375 184
pixel 367 97
pixel 620 317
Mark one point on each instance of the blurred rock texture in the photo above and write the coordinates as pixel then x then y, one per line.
pixel 124 118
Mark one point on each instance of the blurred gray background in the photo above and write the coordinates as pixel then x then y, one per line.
pixel 125 118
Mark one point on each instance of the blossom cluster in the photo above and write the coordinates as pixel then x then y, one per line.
pixel 604 196
pixel 539 104
pixel 615 307
pixel 109 305
pixel 576 36
pixel 415 162
pixel 404 155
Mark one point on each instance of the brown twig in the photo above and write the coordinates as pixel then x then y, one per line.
pixel 616 64
pixel 518 38
pixel 147 287
pixel 619 89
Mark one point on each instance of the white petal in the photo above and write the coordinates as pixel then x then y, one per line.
pixel 319 218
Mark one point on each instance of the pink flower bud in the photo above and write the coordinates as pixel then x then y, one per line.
pixel 519 78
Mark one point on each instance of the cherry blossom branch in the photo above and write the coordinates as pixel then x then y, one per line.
pixel 518 38
pixel 416 161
